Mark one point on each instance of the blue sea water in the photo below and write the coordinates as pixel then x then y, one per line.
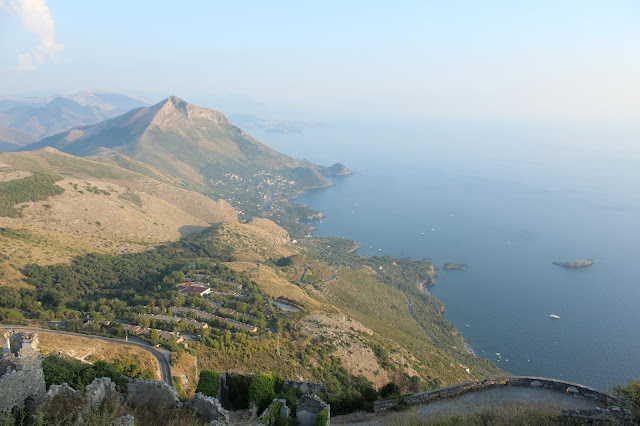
pixel 507 200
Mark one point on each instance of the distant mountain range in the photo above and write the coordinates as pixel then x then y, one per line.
pixel 197 145
pixel 13 140
pixel 45 116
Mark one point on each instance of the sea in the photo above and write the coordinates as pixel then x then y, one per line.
pixel 507 199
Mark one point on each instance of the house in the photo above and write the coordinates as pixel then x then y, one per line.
pixel 167 336
pixel 191 288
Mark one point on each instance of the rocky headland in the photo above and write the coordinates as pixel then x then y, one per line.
pixel 337 169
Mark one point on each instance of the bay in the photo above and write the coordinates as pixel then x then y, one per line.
pixel 507 199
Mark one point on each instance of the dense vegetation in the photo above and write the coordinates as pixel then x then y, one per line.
pixel 630 393
pixel 135 278
pixel 208 383
pixel 58 369
pixel 36 187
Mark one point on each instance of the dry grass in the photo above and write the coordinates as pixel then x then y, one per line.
pixel 258 240
pixel 71 411
pixel 184 367
pixel 505 414
pixel 79 221
pixel 90 350
pixel 275 286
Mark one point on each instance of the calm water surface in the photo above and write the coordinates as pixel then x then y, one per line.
pixel 507 200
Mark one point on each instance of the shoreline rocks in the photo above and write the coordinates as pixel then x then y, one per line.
pixel 583 263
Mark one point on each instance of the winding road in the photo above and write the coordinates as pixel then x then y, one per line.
pixel 162 355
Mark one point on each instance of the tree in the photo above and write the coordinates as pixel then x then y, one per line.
pixel 155 337
pixel 144 322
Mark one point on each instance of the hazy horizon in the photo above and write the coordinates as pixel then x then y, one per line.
pixel 574 61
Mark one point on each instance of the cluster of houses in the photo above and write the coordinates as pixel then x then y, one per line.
pixel 207 316
pixel 144 331
pixel 168 318
pixel 221 281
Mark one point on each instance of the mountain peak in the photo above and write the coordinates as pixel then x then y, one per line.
pixel 174 103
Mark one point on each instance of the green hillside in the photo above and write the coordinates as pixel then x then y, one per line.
pixel 202 149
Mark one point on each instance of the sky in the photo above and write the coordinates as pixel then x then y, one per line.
pixel 543 60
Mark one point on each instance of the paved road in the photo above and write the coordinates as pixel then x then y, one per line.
pixel 162 355
pixel 472 402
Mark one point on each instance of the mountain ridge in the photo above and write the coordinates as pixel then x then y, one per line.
pixel 45 116
pixel 202 149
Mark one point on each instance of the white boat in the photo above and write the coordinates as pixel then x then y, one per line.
pixel 554 316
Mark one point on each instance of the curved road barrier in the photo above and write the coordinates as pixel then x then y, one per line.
pixel 457 390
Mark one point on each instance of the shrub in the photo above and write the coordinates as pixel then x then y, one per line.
pixel 10 315
pixel 322 419
pixel 262 390
pixel 208 383
pixel 630 394
pixel 390 390
pixel 58 370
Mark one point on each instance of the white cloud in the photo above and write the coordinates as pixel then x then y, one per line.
pixel 36 17
pixel 25 62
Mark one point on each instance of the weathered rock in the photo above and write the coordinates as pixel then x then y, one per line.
pixel 209 407
pixel 573 390
pixel 308 408
pixel 144 392
pixel 21 376
pixel 126 420
pixel 99 390
pixel 63 390
pixel 305 387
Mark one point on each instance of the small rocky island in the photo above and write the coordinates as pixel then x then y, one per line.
pixel 454 266
pixel 576 263
pixel 337 169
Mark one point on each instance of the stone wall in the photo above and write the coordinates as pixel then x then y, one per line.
pixel 475 386
pixel 21 376
pixel 305 387
pixel 308 408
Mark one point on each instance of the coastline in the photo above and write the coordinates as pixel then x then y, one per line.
pixel 421 285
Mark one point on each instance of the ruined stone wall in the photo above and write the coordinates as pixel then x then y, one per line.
pixel 305 387
pixel 22 379
pixel 301 385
